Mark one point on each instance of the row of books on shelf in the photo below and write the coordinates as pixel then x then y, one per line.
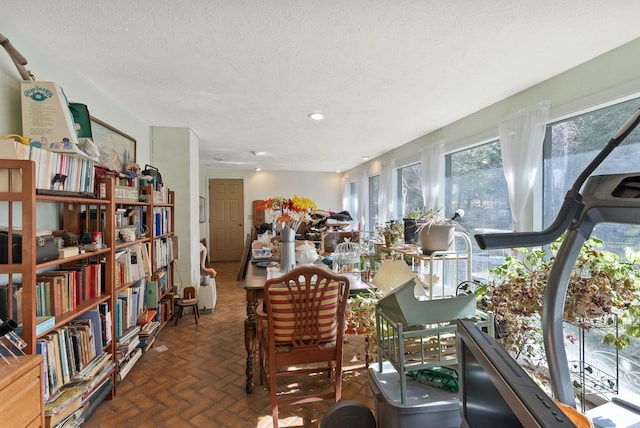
pixel 67 351
pixel 130 303
pixel 135 304
pixel 161 221
pixel 61 291
pixel 132 264
pixel 165 309
pixel 54 171
pixel 57 291
pixel 164 251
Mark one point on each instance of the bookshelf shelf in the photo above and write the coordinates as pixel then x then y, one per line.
pixel 80 309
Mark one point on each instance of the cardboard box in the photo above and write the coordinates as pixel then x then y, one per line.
pixel 47 119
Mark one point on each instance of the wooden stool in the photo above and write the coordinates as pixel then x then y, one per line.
pixel 188 299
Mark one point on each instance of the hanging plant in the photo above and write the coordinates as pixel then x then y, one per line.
pixel 600 283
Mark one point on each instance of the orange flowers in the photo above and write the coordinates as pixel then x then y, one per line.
pixel 289 212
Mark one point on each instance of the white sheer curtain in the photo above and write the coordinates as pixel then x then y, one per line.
pixel 521 139
pixel 388 192
pixel 432 163
pixel 346 194
pixel 361 207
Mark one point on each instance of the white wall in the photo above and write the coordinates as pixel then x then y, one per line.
pixel 323 187
pixel 77 88
pixel 174 151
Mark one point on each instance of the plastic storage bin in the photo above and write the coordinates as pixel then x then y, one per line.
pixel 426 406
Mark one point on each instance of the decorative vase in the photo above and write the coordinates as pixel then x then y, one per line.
pixel 288 249
pixel 436 237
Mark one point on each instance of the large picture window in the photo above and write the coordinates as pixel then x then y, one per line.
pixel 570 145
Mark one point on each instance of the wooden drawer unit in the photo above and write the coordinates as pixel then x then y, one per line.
pixel 21 399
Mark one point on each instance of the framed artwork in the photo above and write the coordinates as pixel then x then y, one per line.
pixel 116 148
pixel 201 210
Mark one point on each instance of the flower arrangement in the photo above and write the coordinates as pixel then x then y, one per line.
pixel 600 284
pixel 290 212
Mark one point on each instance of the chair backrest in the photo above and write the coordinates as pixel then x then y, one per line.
pixel 306 306
pixel 189 293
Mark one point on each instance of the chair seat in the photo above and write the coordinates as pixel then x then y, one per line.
pixel 187 302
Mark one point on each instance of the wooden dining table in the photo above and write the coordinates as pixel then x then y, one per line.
pixel 255 279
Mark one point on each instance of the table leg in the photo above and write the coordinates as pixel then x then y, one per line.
pixel 250 325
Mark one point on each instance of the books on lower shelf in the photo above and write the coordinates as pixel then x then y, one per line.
pixel 69 352
pixel 147 335
pixel 129 363
pixel 127 351
pixel 69 401
pixel 129 305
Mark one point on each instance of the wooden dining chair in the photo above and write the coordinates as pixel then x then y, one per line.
pixel 300 333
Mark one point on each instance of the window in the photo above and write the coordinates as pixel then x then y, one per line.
pixel 475 183
pixel 374 186
pixel 570 145
pixel 353 200
pixel 409 189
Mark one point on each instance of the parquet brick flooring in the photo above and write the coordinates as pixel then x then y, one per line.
pixel 194 376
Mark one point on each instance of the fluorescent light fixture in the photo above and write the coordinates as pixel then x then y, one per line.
pixel 316 115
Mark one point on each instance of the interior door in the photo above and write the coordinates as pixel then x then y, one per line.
pixel 226 220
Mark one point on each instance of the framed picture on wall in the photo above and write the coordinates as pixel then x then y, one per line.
pixel 116 148
pixel 201 210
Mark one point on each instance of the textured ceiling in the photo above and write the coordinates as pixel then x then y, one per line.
pixel 244 74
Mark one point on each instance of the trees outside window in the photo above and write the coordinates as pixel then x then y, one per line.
pixel 409 189
pixel 475 183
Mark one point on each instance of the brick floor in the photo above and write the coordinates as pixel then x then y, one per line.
pixel 194 376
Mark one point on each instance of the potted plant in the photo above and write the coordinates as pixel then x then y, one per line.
pixel 600 284
pixel 390 232
pixel 435 231
pixel 411 225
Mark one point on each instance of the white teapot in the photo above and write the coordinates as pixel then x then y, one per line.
pixel 306 254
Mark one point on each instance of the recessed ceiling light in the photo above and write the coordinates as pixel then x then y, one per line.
pixel 258 169
pixel 316 116
pixel 365 157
